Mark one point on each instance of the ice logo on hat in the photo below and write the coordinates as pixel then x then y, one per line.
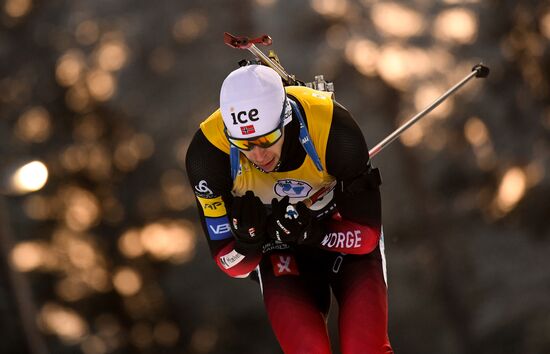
pixel 293 188
pixel 244 117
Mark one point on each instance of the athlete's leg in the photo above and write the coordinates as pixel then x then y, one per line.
pixel 360 290
pixel 297 302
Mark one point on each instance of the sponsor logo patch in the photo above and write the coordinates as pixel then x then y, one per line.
pixel 213 207
pixel 218 228
pixel 202 190
pixel 293 188
pixel 231 259
pixel 349 239
pixel 284 264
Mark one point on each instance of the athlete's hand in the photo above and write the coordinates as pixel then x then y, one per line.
pixel 292 224
pixel 248 218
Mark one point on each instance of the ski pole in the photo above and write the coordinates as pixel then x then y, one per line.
pixel 250 44
pixel 478 71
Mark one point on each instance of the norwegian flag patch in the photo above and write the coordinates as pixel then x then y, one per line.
pixel 248 129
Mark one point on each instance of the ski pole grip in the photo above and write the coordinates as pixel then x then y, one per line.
pixel 245 42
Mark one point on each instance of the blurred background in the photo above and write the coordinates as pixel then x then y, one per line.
pixel 101 247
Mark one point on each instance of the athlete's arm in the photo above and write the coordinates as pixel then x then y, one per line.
pixel 357 228
pixel 208 170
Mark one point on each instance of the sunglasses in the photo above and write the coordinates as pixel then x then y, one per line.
pixel 263 141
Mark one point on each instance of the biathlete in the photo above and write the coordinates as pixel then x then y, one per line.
pixel 253 164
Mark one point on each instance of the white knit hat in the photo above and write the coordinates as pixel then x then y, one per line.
pixel 251 101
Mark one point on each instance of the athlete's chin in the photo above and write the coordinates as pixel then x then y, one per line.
pixel 269 166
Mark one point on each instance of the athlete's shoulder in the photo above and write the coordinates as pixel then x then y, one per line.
pixel 213 129
pixel 346 147
pixel 310 96
pixel 205 161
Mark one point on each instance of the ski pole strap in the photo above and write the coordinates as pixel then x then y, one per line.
pixel 305 139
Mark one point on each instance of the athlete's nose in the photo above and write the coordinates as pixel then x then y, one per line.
pixel 258 153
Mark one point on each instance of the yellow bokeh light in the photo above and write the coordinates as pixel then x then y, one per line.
pixel 130 244
pixel 190 26
pixel 30 177
pixel 127 281
pixel 101 84
pixel 397 65
pixel 68 325
pixel 81 208
pixel 396 20
pixel 457 25
pixel 17 8
pixel 330 8
pixel 112 55
pixel 27 256
pixel 476 132
pixel 511 190
pixel 98 279
pixel 173 241
pixel 34 125
pixel 81 254
pixel 363 54
pixel 70 67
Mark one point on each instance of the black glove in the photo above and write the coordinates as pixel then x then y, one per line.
pixel 292 224
pixel 248 218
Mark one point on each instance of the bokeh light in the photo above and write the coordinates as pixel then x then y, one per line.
pixel 511 190
pixel 28 255
pixel 127 281
pixel 29 177
pixel 395 19
pixel 34 126
pixel 331 8
pixel 70 67
pixel 17 8
pixel 64 322
pixel 456 25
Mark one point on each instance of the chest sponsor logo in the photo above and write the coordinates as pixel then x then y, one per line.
pixel 218 228
pixel 293 188
pixel 341 240
pixel 202 190
pixel 231 259
pixel 213 207
pixel 284 264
